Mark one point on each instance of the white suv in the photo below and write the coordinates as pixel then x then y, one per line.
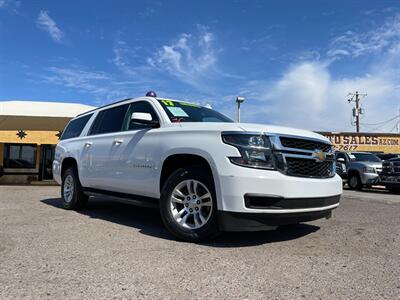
pixel 205 172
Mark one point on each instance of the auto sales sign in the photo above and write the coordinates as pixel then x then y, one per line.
pixel 369 142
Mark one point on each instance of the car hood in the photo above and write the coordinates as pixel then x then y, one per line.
pixel 249 127
pixel 369 164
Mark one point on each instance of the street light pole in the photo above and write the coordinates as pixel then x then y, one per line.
pixel 239 100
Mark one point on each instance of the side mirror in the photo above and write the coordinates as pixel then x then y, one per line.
pixel 340 159
pixel 144 118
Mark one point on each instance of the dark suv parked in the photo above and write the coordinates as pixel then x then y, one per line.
pixel 387 156
pixel 390 175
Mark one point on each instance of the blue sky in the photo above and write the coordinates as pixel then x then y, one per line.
pixel 295 62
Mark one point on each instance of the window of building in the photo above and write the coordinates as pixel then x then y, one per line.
pixel 21 156
pixel 75 127
pixel 109 120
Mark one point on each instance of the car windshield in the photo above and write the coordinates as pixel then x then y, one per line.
pixel 188 112
pixel 364 157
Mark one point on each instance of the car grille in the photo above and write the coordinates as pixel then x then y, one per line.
pixel 304 144
pixel 391 167
pixel 308 168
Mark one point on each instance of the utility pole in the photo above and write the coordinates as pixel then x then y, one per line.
pixel 357 110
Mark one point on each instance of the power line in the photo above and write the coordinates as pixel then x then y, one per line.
pixel 395 127
pixel 379 126
pixel 386 121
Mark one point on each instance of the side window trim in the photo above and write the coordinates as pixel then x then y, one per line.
pixel 95 124
pixel 89 116
pixel 88 125
pixel 129 113
pixel 93 130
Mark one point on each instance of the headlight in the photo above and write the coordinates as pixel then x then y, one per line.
pixel 255 150
pixel 369 170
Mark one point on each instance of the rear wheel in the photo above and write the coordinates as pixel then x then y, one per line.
pixel 71 190
pixel 188 204
pixel 354 182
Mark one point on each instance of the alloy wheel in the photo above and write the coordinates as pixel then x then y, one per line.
pixel 68 189
pixel 191 204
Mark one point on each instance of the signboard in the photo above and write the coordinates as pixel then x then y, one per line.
pixel 368 142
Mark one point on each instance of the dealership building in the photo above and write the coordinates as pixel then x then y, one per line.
pixel 29 132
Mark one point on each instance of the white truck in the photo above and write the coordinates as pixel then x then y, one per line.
pixel 205 172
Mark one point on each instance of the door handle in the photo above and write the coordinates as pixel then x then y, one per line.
pixel 88 144
pixel 118 142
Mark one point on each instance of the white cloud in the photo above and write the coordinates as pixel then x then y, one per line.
pixel 307 96
pixel 10 5
pixel 120 60
pixel 191 58
pixel 355 44
pixel 98 83
pixel 76 77
pixel 45 22
pixel 104 87
pixel 130 60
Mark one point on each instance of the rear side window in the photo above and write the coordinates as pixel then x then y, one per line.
pixel 109 120
pixel 75 127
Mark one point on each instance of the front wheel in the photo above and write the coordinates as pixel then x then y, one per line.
pixel 354 182
pixel 188 204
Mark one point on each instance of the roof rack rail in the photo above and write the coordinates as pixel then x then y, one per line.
pixel 119 101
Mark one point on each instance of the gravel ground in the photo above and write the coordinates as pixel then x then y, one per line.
pixel 113 250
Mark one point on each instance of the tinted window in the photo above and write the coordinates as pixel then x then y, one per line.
pixel 109 120
pixel 75 127
pixel 188 112
pixel 143 107
pixel 19 156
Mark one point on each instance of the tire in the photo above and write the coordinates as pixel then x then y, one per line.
pixel 184 195
pixel 354 182
pixel 71 190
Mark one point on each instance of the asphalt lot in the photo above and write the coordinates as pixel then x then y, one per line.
pixel 113 250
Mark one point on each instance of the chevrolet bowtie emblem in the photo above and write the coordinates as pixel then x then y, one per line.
pixel 319 155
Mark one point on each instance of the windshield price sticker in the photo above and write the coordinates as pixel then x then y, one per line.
pixel 177 112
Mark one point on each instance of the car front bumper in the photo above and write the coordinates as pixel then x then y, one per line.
pixel 233 221
pixel 369 178
pixel 283 199
pixel 390 180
